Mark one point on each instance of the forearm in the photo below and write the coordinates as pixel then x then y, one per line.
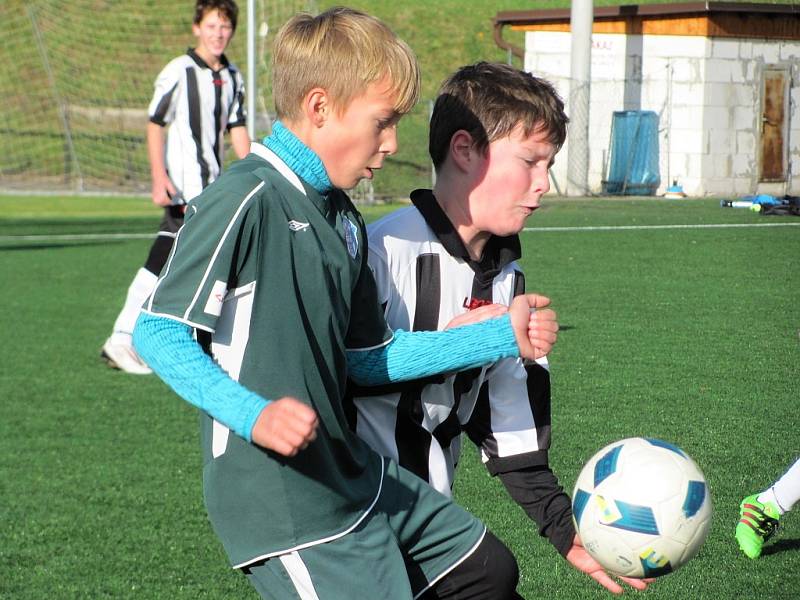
pixel 537 491
pixel 168 348
pixel 421 354
pixel 240 140
pixel 155 151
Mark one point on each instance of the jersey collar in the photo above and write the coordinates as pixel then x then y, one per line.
pixel 223 60
pixel 300 158
pixel 498 252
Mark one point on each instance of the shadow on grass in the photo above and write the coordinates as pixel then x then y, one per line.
pixel 58 245
pixel 781 546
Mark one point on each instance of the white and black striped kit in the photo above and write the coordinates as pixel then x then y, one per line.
pixel 199 104
pixel 425 278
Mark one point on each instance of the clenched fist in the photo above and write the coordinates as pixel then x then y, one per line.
pixel 285 426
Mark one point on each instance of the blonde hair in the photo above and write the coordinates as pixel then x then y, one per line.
pixel 342 51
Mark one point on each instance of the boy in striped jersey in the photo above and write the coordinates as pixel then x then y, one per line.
pixel 198 96
pixel 451 259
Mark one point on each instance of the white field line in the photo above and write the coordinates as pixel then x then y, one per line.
pixel 639 227
pixel 76 237
pixel 142 236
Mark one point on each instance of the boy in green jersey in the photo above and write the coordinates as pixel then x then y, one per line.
pixel 270 273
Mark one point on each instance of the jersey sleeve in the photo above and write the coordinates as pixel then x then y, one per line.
pixel 170 350
pixel 207 258
pixel 537 491
pixel 237 117
pixel 165 96
pixel 367 328
pixel 379 267
pixel 511 420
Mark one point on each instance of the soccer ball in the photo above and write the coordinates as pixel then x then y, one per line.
pixel 641 507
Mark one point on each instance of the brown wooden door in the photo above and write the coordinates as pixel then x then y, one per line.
pixel 773 144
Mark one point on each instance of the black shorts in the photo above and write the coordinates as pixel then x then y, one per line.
pixel 172 219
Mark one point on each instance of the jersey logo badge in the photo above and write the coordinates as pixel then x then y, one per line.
pixel 216 298
pixel 351 237
pixel 297 225
pixel 473 303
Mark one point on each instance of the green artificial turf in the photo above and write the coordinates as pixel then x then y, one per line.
pixel 687 334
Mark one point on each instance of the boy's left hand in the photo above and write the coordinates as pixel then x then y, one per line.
pixel 536 331
pixel 579 558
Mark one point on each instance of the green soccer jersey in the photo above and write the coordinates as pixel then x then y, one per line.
pixel 274 277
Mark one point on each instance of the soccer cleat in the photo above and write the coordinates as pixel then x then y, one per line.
pixel 757 523
pixel 124 357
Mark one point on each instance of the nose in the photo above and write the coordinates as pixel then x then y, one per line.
pixel 389 141
pixel 541 182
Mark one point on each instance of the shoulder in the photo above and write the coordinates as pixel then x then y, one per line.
pixel 240 182
pixel 400 236
pixel 178 63
pixel 398 225
pixel 175 68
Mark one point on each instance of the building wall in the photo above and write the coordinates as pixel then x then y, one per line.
pixel 706 91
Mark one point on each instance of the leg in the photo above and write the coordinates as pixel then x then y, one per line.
pixel 786 491
pixel 364 563
pixel 159 251
pixel 118 350
pixel 759 514
pixel 449 553
pixel 140 289
pixel 489 573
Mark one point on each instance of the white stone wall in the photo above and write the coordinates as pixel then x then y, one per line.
pixel 706 91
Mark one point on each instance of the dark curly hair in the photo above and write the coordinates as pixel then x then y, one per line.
pixel 490 100
pixel 227 8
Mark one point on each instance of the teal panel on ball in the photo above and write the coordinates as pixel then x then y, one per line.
pixel 606 465
pixel 635 518
pixel 579 503
pixel 695 496
pixel 667 445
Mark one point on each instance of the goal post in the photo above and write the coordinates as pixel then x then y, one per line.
pixel 78 76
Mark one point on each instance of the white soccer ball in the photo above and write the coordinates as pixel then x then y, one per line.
pixel 641 507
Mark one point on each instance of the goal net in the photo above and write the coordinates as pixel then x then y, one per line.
pixel 77 77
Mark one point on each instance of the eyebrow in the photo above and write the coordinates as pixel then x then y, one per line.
pixel 392 115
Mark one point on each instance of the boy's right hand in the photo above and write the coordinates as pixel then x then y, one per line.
pixel 162 190
pixel 285 426
pixel 536 332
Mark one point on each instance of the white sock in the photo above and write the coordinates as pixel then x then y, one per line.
pixel 785 492
pixel 140 289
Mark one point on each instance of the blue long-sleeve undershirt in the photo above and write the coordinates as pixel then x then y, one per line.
pixel 168 347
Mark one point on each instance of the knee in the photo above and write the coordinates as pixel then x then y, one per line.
pixel 489 573
pixel 159 253
pixel 500 567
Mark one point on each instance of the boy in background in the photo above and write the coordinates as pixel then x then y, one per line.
pixel 270 271
pixel 198 96
pixel 451 258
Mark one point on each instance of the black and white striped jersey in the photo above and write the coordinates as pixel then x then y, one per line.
pixel 425 278
pixel 199 105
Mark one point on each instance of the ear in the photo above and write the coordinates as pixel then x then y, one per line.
pixel 317 106
pixel 461 150
pixel 196 30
